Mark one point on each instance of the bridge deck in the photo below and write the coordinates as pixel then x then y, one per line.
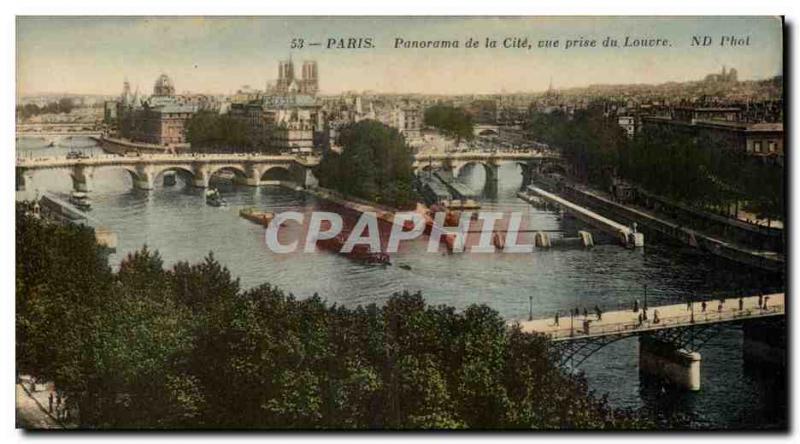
pixel 586 215
pixel 111 159
pixel 459 189
pixel 670 316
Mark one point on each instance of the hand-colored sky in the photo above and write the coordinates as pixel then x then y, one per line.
pixel 220 54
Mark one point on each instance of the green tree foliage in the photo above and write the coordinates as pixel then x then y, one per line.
pixel 62 106
pixel 694 170
pixel 211 132
pixel 375 164
pixel 149 347
pixel 453 122
pixel 589 141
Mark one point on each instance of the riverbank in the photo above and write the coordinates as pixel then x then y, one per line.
pixel 32 407
pixel 661 224
pixel 123 146
pixel 383 212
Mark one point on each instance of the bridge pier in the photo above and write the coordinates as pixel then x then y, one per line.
pixel 527 175
pixel 541 239
pixel 661 359
pixel 252 176
pixel 21 179
pixel 81 178
pixel 200 179
pixel 309 180
pixel 586 239
pixel 143 182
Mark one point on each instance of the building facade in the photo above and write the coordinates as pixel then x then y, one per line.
pixel 160 119
pixel 287 117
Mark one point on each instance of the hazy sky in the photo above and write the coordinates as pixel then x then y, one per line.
pixel 220 54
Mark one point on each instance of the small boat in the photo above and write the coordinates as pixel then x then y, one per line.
pixel 214 199
pixel 361 253
pixel 259 217
pixel 80 200
pixel 462 205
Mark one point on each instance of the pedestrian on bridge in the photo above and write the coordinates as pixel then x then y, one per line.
pixel 636 306
pixel 585 313
pixel 703 307
pixel 556 323
pixel 719 307
pixel 599 313
pixel 766 299
pixel 741 303
pixel 760 300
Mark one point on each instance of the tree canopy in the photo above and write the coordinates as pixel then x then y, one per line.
pixel 453 122
pixel 209 131
pixel 375 164
pixel 63 105
pixel 667 162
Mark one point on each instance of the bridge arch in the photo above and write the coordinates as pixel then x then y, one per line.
pixel 574 352
pixel 58 179
pixel 547 167
pixel 460 167
pixel 277 173
pixel 186 172
pixel 239 170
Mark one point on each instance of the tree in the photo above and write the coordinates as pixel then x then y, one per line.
pixel 375 164
pixel 209 131
pixel 451 121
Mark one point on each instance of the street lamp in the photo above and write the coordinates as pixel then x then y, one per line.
pixel 644 308
pixel 571 323
pixel 530 308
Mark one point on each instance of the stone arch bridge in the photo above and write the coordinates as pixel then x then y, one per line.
pixel 530 162
pixel 258 169
pixel 144 170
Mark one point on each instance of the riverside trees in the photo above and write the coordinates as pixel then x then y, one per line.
pixel 693 170
pixel 451 121
pixel 375 164
pixel 155 347
pixel 218 133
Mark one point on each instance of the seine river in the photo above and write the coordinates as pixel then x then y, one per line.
pixel 175 221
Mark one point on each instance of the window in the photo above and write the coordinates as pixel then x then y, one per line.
pixel 757 146
pixel 772 146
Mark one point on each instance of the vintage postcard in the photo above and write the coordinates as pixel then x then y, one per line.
pixel 400 223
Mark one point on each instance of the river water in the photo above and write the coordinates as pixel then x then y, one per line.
pixel 175 221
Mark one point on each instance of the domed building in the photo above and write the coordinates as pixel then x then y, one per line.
pixel 163 87
pixel 160 119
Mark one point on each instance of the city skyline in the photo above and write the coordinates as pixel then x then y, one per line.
pixel 218 55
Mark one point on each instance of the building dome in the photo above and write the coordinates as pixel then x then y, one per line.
pixel 163 86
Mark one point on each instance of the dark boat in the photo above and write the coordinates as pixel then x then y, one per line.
pixel 214 199
pixel 360 252
pixel 80 200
